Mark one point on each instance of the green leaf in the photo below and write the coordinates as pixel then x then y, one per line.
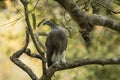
pixel 34 20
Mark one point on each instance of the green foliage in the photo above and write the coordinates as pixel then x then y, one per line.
pixel 34 20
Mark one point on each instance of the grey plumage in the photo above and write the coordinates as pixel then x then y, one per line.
pixel 56 43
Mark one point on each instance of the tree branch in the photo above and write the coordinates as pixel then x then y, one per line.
pixel 104 21
pixel 17 54
pixel 34 55
pixel 42 34
pixel 85 21
pixel 94 19
pixel 25 4
pixel 82 62
pixel 79 17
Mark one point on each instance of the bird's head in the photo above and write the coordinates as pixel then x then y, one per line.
pixel 48 22
pixel 51 23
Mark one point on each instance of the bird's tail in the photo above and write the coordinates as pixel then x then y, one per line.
pixel 49 61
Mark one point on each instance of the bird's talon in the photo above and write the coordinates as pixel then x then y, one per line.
pixel 64 63
pixel 57 64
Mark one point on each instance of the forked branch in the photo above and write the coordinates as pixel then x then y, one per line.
pixel 15 60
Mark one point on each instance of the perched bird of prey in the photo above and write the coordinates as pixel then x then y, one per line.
pixel 56 43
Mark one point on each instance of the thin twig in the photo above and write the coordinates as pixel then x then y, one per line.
pixel 42 34
pixel 34 55
pixel 16 7
pixel 35 5
pixel 11 22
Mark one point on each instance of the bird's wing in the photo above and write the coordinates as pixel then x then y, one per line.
pixel 59 40
pixel 50 49
pixel 56 42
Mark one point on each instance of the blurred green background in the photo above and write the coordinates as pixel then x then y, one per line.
pixel 105 42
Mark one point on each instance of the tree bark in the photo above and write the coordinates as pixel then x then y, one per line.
pixel 94 19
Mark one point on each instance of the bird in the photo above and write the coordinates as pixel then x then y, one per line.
pixel 56 43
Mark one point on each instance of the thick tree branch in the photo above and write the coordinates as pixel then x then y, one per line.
pixel 93 19
pixel 81 17
pixel 104 21
pixel 82 62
